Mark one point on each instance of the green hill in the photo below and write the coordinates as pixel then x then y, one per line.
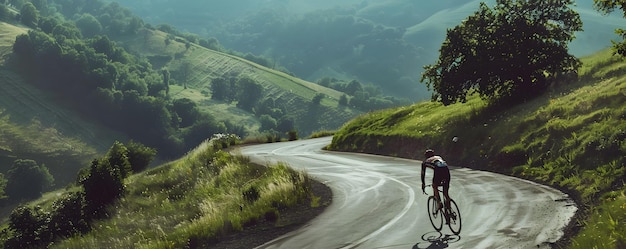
pixel 38 125
pixel 572 138
pixel 205 65
pixel 35 124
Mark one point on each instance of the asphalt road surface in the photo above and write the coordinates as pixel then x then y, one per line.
pixel 378 203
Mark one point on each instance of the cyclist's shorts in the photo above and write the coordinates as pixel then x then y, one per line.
pixel 442 177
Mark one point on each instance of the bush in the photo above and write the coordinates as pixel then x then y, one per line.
pixel 26 228
pixel 293 135
pixel 67 217
pixel 27 179
pixel 36 228
pixel 118 159
pixel 140 156
pixel 103 185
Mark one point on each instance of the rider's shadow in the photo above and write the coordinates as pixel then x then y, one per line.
pixel 436 240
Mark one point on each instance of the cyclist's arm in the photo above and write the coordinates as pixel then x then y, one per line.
pixel 424 165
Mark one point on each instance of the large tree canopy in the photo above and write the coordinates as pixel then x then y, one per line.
pixel 512 50
pixel 607 6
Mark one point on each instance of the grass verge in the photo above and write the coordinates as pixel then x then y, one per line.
pixel 572 138
pixel 196 201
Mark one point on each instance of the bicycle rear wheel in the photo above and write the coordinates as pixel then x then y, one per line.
pixel 435 215
pixel 455 218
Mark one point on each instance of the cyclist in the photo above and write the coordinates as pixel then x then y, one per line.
pixel 441 176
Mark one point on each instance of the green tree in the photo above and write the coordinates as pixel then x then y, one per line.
pixel 267 123
pixel 166 80
pixel 360 100
pixel 249 93
pixel 67 30
pixel 353 86
pixel 102 44
pixel 47 24
pixel 185 71
pixel 187 110
pixel 27 179
pixel 89 26
pixel 103 185
pixel 29 15
pixel 118 159
pixel 509 52
pixel 343 100
pixel 285 124
pixel 606 7
pixel 26 227
pixel 317 99
pixel 202 130
pixel 139 155
pixel 211 43
pixel 220 89
pixel 5 13
pixel 67 216
pixel 134 25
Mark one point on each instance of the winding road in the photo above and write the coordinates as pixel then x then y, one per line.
pixel 378 203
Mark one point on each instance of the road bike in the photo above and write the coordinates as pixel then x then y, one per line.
pixel 437 212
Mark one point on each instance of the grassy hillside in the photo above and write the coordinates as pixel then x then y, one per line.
pixel 571 138
pixel 293 93
pixel 193 202
pixel 37 126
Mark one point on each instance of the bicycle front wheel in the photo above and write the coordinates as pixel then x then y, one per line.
pixel 434 214
pixel 455 218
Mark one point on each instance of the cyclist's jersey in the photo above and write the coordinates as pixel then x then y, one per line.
pixel 442 173
pixel 437 162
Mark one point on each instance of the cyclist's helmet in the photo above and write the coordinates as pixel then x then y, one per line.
pixel 429 153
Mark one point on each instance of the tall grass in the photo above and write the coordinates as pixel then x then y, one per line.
pixel 573 137
pixel 195 201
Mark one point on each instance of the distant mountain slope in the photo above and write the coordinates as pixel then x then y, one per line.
pixel 597 35
pixel 270 28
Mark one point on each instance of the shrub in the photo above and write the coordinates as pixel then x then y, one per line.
pixel 118 158
pixel 140 156
pixel 293 135
pixel 103 185
pixel 26 228
pixel 67 217
pixel 27 179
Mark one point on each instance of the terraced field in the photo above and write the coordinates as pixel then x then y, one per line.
pixel 293 93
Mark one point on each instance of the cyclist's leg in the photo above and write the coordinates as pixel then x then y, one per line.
pixel 445 181
pixel 438 179
pixel 436 193
pixel 446 186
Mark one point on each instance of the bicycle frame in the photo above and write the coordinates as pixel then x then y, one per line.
pixel 450 213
